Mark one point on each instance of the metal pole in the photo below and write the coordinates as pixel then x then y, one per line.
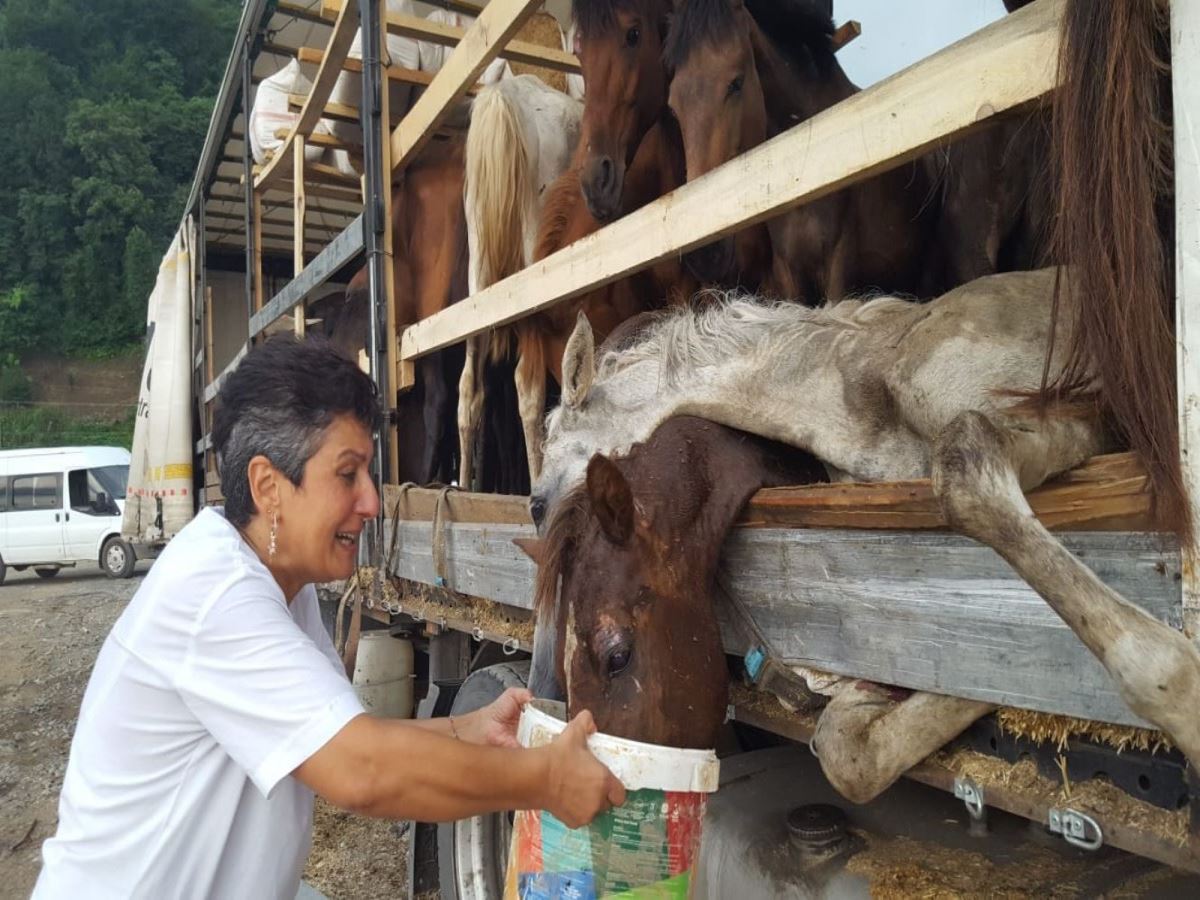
pixel 377 181
pixel 248 170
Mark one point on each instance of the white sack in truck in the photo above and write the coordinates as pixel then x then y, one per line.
pixel 271 113
pixel 159 500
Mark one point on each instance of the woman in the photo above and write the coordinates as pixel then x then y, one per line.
pixel 217 707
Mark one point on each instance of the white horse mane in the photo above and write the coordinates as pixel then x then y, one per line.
pixel 722 324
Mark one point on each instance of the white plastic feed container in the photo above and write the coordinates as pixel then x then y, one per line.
pixel 383 675
pixel 646 848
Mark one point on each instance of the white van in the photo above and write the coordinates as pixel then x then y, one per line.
pixel 62 506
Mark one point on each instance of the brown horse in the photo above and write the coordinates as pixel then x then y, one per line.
pixel 619 43
pixel 636 548
pixel 620 53
pixel 429 269
pixel 745 70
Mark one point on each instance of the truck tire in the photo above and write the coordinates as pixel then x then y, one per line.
pixel 3 570
pixel 117 558
pixel 473 853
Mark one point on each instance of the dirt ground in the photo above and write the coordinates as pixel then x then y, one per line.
pixel 50 633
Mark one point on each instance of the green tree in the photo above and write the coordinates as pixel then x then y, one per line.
pixel 105 108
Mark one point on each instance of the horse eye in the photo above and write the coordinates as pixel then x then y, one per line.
pixel 537 510
pixel 618 661
pixel 632 36
pixel 735 86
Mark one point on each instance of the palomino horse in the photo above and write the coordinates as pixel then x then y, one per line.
pixel 636 549
pixel 746 70
pixel 520 140
pixel 887 390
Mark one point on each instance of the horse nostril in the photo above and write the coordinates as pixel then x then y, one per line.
pixel 606 172
pixel 537 510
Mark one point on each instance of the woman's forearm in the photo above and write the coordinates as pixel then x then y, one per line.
pixel 419 772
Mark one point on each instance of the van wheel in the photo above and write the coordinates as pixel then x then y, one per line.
pixel 116 558
pixel 46 571
pixel 473 853
pixel 3 570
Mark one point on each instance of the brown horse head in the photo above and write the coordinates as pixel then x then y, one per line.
pixel 724 69
pixel 620 53
pixel 636 550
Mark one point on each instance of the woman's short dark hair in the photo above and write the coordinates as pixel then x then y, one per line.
pixel 277 403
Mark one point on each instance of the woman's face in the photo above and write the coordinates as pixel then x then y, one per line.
pixel 321 520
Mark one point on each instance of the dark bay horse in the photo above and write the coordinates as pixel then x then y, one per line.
pixel 746 70
pixel 636 548
pixel 429 269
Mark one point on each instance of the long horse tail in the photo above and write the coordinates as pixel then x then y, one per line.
pixel 499 190
pixel 1112 164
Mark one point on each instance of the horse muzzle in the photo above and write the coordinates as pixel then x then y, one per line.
pixel 602 180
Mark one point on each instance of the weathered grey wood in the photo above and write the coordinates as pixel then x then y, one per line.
pixel 940 612
pixel 481 560
pixel 927 611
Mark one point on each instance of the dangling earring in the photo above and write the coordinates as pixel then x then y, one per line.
pixel 274 532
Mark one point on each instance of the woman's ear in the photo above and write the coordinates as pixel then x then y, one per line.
pixel 264 480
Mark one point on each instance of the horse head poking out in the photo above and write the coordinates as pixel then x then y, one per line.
pixel 636 549
pixel 619 43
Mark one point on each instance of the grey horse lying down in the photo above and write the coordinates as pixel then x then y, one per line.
pixel 884 390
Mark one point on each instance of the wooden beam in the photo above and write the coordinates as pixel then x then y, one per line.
pixel 1185 78
pixel 329 192
pixel 317 139
pixel 1107 493
pixel 450 36
pixel 498 22
pixel 394 73
pixel 344 29
pixel 926 611
pixel 338 112
pixel 1003 66
pixel 846 32
pixel 299 200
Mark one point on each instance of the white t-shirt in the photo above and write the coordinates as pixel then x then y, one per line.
pixel 209 691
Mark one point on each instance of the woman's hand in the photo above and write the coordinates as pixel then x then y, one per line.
pixel 579 786
pixel 495 725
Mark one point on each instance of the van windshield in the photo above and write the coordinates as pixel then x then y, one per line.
pixel 111 479
pixel 86 486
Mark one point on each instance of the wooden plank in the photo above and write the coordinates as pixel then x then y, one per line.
pixel 394 73
pixel 336 254
pixel 450 36
pixel 498 22
pixel 317 140
pixel 298 199
pixel 1185 76
pixel 845 33
pixel 1003 66
pixel 926 611
pixel 344 29
pixel 339 112
pixel 1107 493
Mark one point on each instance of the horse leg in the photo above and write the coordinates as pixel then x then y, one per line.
pixel 470 407
pixel 866 739
pixel 980 469
pixel 530 379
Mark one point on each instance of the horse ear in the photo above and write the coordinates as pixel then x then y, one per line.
pixel 578 363
pixel 612 500
pixel 534 548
